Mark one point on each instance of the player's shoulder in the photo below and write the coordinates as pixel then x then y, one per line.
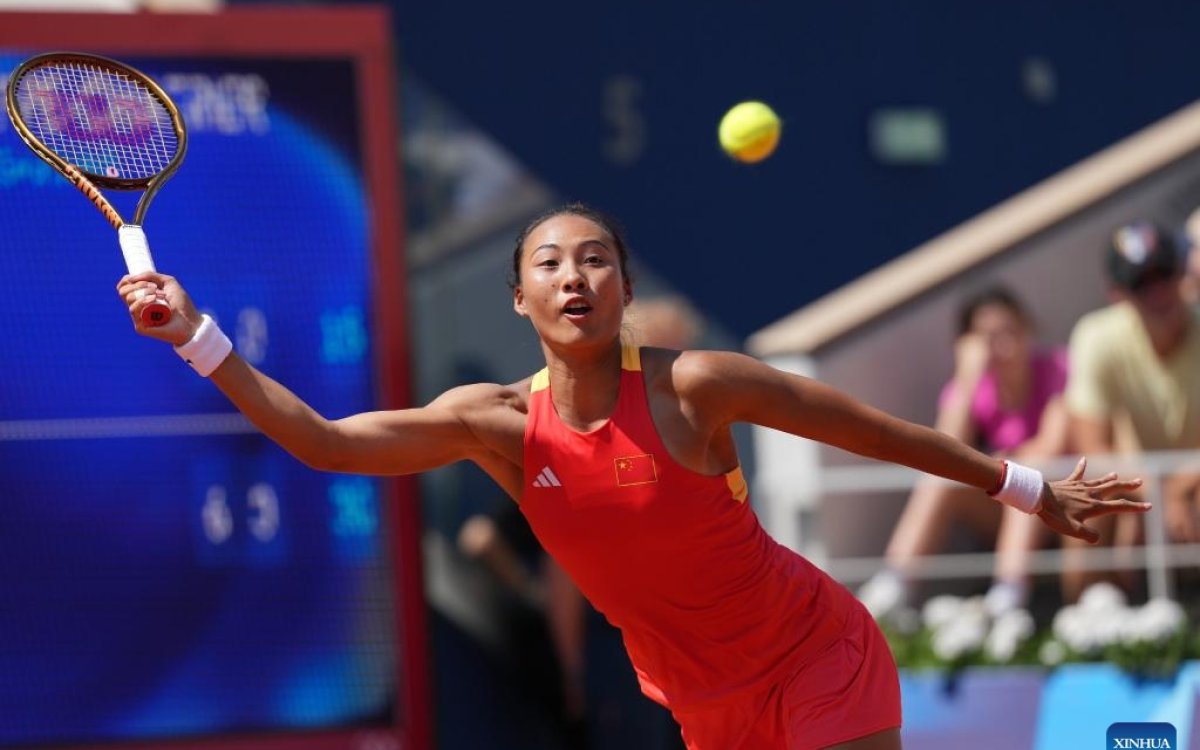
pixel 694 371
pixel 479 398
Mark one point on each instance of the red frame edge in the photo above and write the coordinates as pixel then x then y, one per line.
pixel 361 33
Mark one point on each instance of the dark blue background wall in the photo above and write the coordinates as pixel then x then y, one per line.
pixel 753 243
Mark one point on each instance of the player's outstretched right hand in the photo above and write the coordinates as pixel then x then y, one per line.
pixel 1069 503
pixel 141 289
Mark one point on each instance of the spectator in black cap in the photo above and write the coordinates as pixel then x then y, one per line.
pixel 1134 380
pixel 1142 255
pixel 1191 235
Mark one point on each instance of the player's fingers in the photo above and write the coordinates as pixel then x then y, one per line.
pixel 1080 467
pixel 131 278
pixel 1117 487
pixel 131 283
pixel 1117 505
pixel 151 276
pixel 1086 533
pixel 135 311
pixel 1110 476
pixel 139 290
pixel 1126 504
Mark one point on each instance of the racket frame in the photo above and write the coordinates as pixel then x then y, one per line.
pixel 87 182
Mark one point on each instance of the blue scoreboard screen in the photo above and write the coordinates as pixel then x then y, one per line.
pixel 166 571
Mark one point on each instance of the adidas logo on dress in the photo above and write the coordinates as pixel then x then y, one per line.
pixel 546 478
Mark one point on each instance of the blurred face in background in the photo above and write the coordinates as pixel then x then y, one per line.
pixel 1006 334
pixel 1152 272
pixel 1193 258
pixel 1158 299
pixel 667 322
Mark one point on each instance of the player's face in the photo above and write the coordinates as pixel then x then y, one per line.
pixel 572 288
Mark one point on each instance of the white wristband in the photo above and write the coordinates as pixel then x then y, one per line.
pixel 1022 488
pixel 208 348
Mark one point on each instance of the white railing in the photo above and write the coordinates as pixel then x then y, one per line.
pixel 1158 556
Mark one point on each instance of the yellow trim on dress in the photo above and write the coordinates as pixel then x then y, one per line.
pixel 631 358
pixel 737 484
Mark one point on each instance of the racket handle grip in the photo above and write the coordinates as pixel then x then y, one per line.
pixel 136 250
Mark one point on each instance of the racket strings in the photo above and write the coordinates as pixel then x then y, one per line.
pixel 102 121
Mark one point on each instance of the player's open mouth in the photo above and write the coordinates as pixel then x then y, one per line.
pixel 577 310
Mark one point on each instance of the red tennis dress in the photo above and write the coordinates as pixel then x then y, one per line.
pixel 747 643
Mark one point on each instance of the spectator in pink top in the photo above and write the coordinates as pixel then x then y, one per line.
pixel 1005 398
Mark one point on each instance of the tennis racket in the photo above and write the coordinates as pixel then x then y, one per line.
pixel 101 124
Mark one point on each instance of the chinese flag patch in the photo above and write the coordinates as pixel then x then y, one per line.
pixel 635 470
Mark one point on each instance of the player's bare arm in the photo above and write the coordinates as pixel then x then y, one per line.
pixel 469 422
pixel 478 422
pixel 730 387
pixel 402 441
pixel 735 388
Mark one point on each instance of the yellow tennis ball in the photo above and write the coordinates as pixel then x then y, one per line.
pixel 749 132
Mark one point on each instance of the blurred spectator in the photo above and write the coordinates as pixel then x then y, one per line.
pixel 542 604
pixel 1005 398
pixel 1135 372
pixel 1191 278
pixel 668 322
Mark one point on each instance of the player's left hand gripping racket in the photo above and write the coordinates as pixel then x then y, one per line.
pixel 101 123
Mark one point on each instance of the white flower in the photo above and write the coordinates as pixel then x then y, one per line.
pixel 1156 621
pixel 1009 631
pixel 1052 653
pixel 940 610
pixel 1102 597
pixel 964 633
pixel 955 640
pixel 1107 628
pixel 1096 622
pixel 1076 628
pixel 1068 623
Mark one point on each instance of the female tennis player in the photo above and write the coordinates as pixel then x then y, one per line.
pixel 622 460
